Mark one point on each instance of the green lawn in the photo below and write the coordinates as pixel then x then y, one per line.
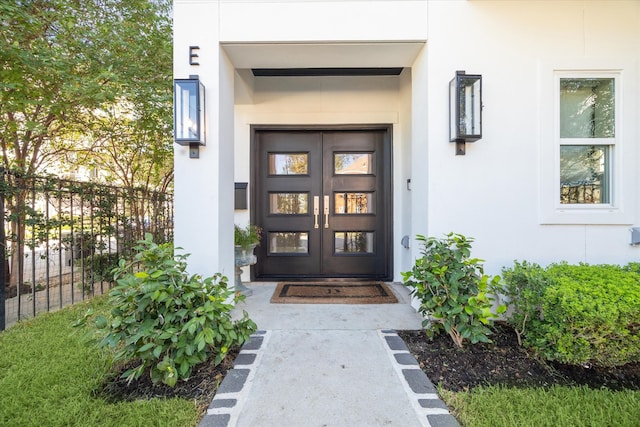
pixel 537 407
pixel 48 377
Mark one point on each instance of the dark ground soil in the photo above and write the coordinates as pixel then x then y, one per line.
pixel 504 362
pixel 201 386
pixel 501 362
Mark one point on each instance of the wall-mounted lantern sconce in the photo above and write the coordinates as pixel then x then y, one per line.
pixel 188 114
pixel 465 109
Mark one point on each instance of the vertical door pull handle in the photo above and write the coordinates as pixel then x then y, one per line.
pixel 316 210
pixel 326 211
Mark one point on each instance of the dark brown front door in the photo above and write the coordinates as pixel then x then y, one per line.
pixel 323 198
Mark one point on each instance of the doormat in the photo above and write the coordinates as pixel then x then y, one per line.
pixel 333 293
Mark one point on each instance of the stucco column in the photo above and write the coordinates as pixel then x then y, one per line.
pixel 419 151
pixel 204 186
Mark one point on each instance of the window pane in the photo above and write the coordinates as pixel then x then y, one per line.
pixel 288 203
pixel 353 242
pixel 587 108
pixel 353 203
pixel 353 163
pixel 288 242
pixel 288 164
pixel 584 174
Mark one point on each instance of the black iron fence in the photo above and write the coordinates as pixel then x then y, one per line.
pixel 581 192
pixel 61 238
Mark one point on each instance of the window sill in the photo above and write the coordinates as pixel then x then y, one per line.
pixel 604 215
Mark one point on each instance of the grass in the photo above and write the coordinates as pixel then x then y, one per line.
pixel 49 377
pixel 555 406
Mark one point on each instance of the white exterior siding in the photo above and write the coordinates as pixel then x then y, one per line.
pixel 497 193
pixel 314 21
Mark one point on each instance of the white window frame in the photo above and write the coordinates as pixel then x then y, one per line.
pixel 622 157
pixel 601 142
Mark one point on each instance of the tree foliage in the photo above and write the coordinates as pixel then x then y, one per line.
pixel 87 82
pixel 84 83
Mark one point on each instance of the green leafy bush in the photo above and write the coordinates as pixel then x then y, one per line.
pixel 100 267
pixel 578 314
pixel 167 320
pixel 633 267
pixel 524 285
pixel 452 289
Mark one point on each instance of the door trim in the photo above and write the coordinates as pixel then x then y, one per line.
pixel 387 186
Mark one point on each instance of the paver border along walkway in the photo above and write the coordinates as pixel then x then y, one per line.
pixel 229 400
pixel 420 390
pixel 230 397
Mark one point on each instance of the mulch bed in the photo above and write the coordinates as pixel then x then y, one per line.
pixel 201 386
pixel 501 362
pixel 505 362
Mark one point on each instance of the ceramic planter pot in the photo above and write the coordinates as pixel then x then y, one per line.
pixel 243 257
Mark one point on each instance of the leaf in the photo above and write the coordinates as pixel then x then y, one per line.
pixel 192 327
pixel 208 335
pixel 101 322
pixel 146 347
pixel 157 352
pixel 170 378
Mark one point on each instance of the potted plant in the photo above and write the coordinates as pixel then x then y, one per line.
pixel 248 236
pixel 245 240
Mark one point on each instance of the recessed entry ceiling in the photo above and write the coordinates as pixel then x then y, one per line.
pixel 336 56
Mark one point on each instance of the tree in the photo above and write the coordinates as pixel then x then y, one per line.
pixel 132 138
pixel 63 64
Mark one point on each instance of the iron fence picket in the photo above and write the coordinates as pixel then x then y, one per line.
pixel 91 225
pixel 3 277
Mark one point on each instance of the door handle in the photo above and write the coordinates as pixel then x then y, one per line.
pixel 316 210
pixel 326 211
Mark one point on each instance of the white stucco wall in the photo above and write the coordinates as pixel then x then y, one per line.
pixel 204 186
pixel 497 193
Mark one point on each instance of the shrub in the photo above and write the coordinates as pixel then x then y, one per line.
pixel 633 267
pixel 452 289
pixel 100 267
pixel 167 320
pixel 585 314
pixel 524 286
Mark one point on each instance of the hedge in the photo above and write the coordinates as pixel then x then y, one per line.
pixel 577 314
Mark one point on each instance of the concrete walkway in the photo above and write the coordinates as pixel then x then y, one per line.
pixel 326 366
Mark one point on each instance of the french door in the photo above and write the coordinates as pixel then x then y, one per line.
pixel 323 199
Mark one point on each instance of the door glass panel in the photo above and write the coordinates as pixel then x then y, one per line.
pixel 289 203
pixel 288 163
pixel 289 242
pixel 354 203
pixel 353 242
pixel 353 163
